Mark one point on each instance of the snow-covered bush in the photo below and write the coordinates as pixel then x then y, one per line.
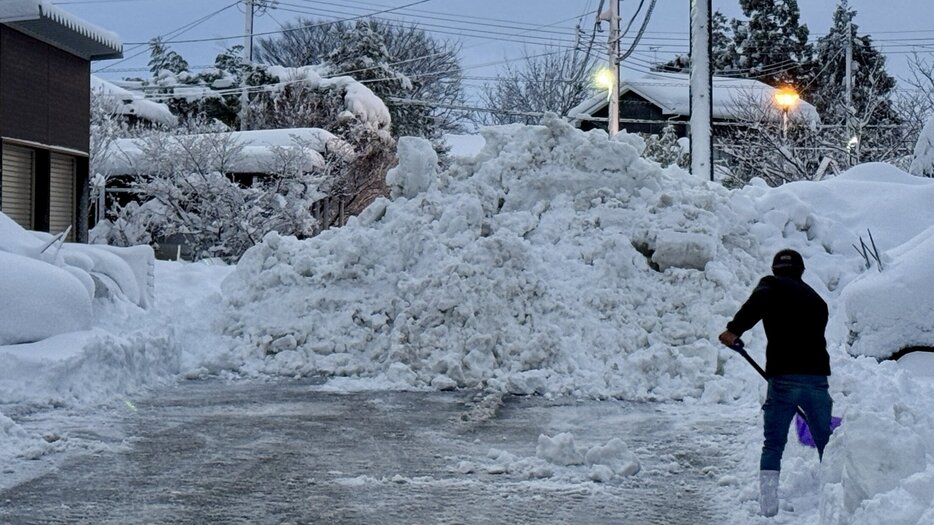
pixel 922 164
pixel 666 149
pixel 184 191
pixel 185 194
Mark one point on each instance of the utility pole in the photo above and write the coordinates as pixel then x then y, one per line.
pixel 701 90
pixel 247 58
pixel 613 112
pixel 248 31
pixel 850 132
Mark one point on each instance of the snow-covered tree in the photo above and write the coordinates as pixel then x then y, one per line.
pixel 758 146
pixel 772 45
pixel 214 93
pixel 433 64
pixel 363 54
pixel 555 80
pixel 872 117
pixel 723 56
pixel 161 58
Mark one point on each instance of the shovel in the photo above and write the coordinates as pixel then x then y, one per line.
pixel 801 419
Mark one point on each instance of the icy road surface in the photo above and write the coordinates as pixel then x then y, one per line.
pixel 291 452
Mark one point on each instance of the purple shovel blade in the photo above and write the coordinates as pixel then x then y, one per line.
pixel 804 433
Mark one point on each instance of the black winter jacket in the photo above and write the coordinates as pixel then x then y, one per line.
pixel 795 318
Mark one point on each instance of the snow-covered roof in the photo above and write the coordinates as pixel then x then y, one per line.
pixel 46 22
pixel 125 156
pixel 671 92
pixel 126 102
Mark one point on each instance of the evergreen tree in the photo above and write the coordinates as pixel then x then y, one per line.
pixel 772 45
pixel 723 51
pixel 162 59
pixel 872 114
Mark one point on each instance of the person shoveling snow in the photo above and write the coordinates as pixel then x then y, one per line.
pixel 797 363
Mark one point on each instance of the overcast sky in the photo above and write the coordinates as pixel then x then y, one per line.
pixel 491 30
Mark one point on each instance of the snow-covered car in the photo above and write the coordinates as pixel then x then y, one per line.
pixel 48 287
pixel 889 312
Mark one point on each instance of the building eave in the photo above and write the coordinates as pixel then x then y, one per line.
pixel 43 21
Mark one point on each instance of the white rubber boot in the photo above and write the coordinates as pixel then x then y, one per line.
pixel 768 492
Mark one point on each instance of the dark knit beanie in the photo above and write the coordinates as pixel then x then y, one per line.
pixel 788 262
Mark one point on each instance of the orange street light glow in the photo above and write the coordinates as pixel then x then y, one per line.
pixel 786 97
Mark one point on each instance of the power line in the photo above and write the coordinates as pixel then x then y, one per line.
pixel 176 32
pixel 281 31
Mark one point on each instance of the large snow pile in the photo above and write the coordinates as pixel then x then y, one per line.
pixel 555 261
pixel 527 269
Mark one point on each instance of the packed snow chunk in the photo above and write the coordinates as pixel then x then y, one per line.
pixel 559 450
pixel 891 310
pixel 16 442
pixel 683 250
pixel 615 455
pixel 922 163
pixel 39 300
pixel 879 453
pixel 417 169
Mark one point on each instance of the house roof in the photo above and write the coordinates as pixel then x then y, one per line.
pixel 125 102
pixel 43 21
pixel 259 153
pixel 732 97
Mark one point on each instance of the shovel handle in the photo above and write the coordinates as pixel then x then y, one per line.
pixel 740 348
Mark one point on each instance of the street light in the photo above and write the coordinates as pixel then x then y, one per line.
pixel 605 79
pixel 786 98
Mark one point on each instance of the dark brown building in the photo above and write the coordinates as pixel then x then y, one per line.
pixel 45 62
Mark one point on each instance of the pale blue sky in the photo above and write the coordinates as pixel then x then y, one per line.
pixel 491 30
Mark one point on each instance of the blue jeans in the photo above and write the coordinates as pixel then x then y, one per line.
pixel 810 392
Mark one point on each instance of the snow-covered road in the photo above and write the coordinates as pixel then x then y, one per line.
pixel 293 452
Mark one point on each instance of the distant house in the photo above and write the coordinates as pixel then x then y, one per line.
pixel 134 108
pixel 45 57
pixel 650 103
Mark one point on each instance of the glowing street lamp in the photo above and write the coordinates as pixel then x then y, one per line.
pixel 605 79
pixel 786 98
